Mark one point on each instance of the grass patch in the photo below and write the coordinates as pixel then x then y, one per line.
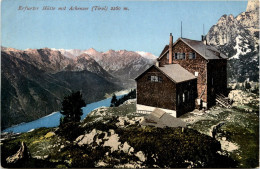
pixel 204 126
pixel 241 126
pixel 247 139
pixel 122 110
pixel 173 147
pixel 28 138
pixel 89 119
pixel 31 139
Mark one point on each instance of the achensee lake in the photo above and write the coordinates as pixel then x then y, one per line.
pixel 53 120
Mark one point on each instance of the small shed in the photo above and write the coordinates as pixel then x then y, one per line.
pixel 159 118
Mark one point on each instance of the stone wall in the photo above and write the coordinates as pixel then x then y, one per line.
pixel 199 64
pixel 156 94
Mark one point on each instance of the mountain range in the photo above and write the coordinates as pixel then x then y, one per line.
pixel 124 65
pixel 238 38
pixel 35 81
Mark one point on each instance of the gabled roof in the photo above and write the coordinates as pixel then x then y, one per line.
pixel 174 72
pixel 165 49
pixel 206 51
pixel 177 73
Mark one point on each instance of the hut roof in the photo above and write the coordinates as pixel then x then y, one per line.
pixel 177 73
pixel 174 72
pixel 206 51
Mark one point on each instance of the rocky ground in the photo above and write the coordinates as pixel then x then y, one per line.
pixel 237 128
pixel 113 137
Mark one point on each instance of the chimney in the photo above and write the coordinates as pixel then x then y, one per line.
pixel 170 48
pixel 157 63
pixel 203 39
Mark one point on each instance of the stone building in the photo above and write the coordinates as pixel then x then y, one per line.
pixel 188 73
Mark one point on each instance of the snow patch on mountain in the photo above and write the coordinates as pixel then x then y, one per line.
pixel 73 53
pixel 69 53
pixel 146 55
pixel 241 47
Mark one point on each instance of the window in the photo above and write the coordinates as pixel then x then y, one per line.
pixel 180 98
pixel 183 55
pixel 155 78
pixel 183 97
pixel 196 74
pixel 167 56
pixel 179 55
pixel 175 55
pixel 192 55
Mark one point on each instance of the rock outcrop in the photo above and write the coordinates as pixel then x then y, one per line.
pixel 21 155
pixel 110 139
pixel 252 5
pixel 238 38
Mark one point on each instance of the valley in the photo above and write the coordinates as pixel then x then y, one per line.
pixel 34 81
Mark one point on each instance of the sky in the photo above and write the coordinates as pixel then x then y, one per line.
pixel 144 26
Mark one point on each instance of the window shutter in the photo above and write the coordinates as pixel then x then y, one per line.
pixel 159 78
pixel 193 55
pixel 149 78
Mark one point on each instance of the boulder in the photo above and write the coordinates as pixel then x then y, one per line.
pixel 87 138
pixel 22 154
pixel 113 142
pixel 131 150
pixel 125 147
pixel 141 156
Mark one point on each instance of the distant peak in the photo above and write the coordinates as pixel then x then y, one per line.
pixel 224 16
pixel 92 49
pixel 122 50
pixel 8 49
pixel 93 53
pixel 110 51
pixel 146 55
pixel 45 48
